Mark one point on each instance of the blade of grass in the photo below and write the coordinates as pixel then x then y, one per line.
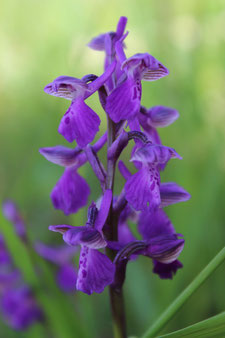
pixel 211 327
pixel 184 296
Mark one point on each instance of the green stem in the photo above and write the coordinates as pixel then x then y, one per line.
pixel 116 296
pixel 183 297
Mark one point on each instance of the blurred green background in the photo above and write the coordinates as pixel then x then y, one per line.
pixel 40 40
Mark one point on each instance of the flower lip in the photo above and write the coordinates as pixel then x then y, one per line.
pixel 67 87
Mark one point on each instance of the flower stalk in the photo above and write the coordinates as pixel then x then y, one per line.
pixel 116 296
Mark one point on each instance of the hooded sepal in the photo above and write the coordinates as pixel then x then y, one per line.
pixel 154 153
pixel 165 248
pixel 172 193
pixel 161 116
pixel 66 87
pixel 145 67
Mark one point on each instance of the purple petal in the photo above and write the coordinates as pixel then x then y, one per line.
pixel 134 125
pixel 79 123
pixel 8 279
pixel 101 80
pixel 118 145
pixel 61 155
pixel 166 271
pixel 172 193
pixel 153 135
pixel 118 74
pixel 67 278
pixel 151 153
pixel 96 271
pixel 59 255
pixel 67 87
pixel 62 228
pixel 160 116
pixel 104 210
pixel 100 143
pixel 96 165
pixel 98 43
pixel 119 47
pixel 142 189
pixel 19 308
pixel 154 223
pixel 124 102
pixel 85 235
pixel 125 236
pixel 121 26
pixel 124 170
pixel 148 129
pixel 70 193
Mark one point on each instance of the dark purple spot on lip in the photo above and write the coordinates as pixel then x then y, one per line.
pixel 152 186
pixel 84 273
pixel 135 93
pixel 67 120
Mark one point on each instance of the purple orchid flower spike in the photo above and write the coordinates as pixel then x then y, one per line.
pixel 96 270
pixel 164 246
pixel 19 308
pixel 80 122
pixel 124 102
pixel 62 257
pixel 108 240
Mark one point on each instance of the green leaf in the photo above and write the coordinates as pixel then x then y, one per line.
pixel 212 327
pixel 185 295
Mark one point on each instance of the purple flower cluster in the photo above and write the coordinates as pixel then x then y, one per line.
pixel 17 303
pixel 143 196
